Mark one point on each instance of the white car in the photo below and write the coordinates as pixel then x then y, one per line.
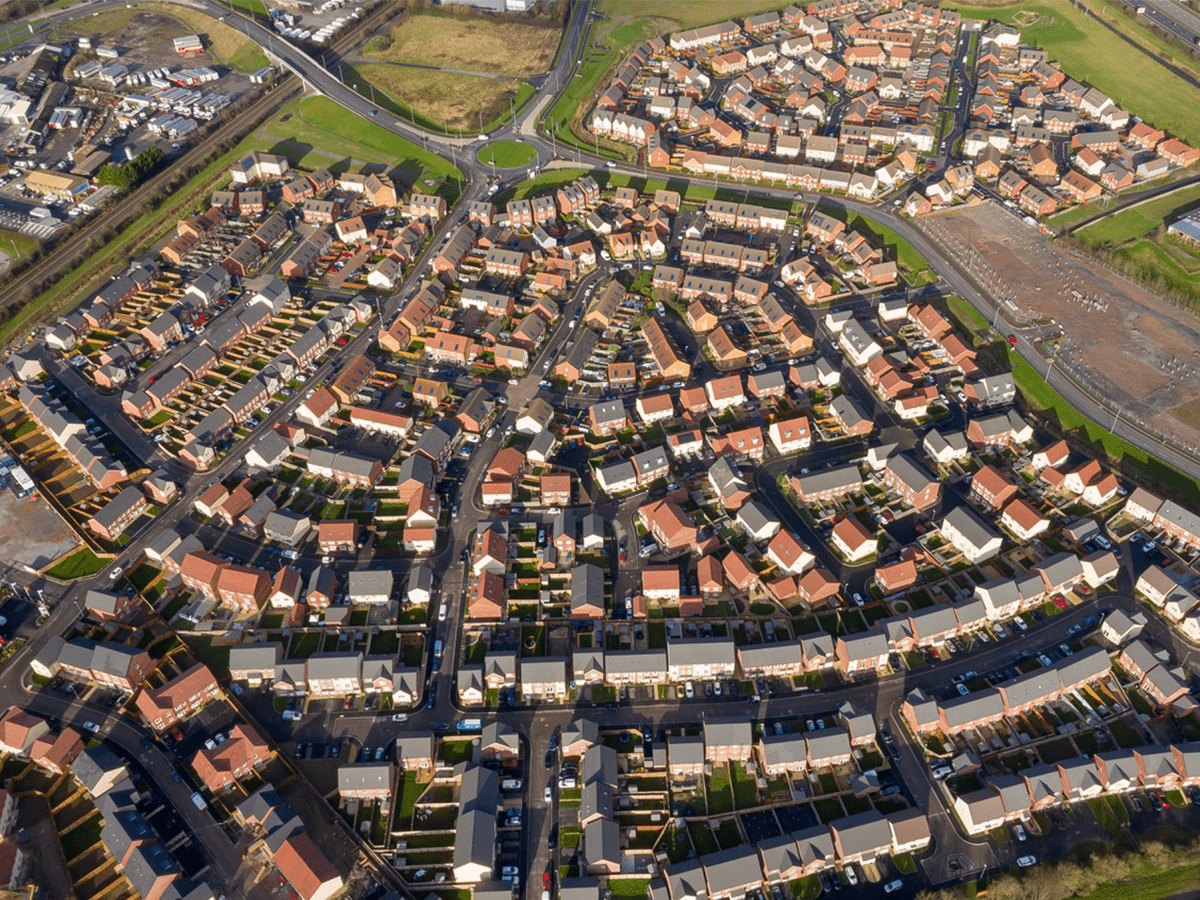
pixel 116 573
pixel 400 718
pixel 547 794
pixel 689 691
pixel 1019 830
pixel 92 727
pixel 717 689
pixel 1026 861
pixel 893 886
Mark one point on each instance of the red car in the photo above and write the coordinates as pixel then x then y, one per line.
pixel 545 881
pixel 1012 340
pixel 341 342
pixel 1060 601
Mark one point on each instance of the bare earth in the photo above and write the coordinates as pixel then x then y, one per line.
pixel 31 533
pixel 1122 340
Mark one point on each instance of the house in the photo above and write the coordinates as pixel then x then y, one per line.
pixel 177 699
pixel 305 867
pixel 241 753
pixel 366 781
pixel 727 740
pixel 853 540
pixel 861 653
pixel 991 489
pixel 543 678
pixel 970 535
pixel 861 838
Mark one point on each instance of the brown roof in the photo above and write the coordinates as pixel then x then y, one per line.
pixel 852 532
pixel 304 865
pixel 1023 514
pixel 990 480
pixel 507 462
pixel 201 566
pixel 235 579
pixel 339 530
pixel 16 725
pixel 179 691
pixel 243 747
pixel 321 402
pixel 660 578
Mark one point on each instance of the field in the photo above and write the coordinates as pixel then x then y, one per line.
pixel 475 44
pixel 1139 221
pixel 442 101
pixel 1088 51
pixel 689 13
pixel 1140 245
pixel 13 242
pixel 506 154
pixel 318 124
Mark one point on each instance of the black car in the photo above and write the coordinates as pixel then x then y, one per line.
pixel 552 840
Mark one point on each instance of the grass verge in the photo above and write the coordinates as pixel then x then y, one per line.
pixel 80 564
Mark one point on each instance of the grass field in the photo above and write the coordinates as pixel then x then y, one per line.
pixel 22 244
pixel 443 101
pixel 1042 396
pixel 476 43
pixel 1139 221
pixel 80 564
pixel 506 154
pixel 319 123
pixel 1088 51
pixel 689 13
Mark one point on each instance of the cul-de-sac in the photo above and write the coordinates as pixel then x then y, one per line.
pixel 599 450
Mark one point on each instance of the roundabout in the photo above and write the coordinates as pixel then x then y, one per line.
pixel 506 154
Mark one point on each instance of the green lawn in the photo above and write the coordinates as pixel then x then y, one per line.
pixel 688 13
pixel 628 887
pixel 317 122
pixel 80 564
pixel 703 838
pixel 14 242
pixel 1089 51
pixel 1041 395
pixel 1140 220
pixel 745 789
pixel 216 658
pixel 720 800
pixel 506 154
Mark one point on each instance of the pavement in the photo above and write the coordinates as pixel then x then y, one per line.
pixel 538 724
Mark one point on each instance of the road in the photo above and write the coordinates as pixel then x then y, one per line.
pixel 538 725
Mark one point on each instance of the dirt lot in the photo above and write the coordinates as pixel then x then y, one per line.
pixel 150 28
pixel 1127 343
pixel 31 533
